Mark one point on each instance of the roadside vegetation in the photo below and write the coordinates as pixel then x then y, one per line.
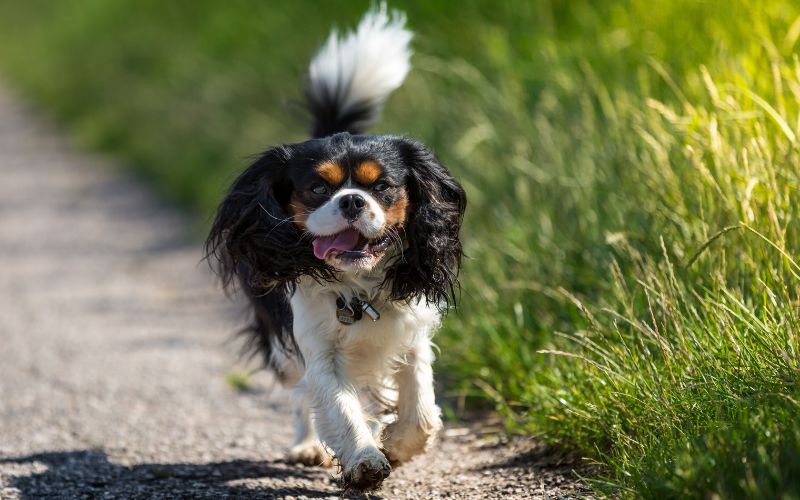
pixel 632 167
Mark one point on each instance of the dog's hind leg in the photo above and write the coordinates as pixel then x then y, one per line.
pixel 307 448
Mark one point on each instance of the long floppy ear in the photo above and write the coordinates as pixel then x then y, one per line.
pixel 429 266
pixel 253 237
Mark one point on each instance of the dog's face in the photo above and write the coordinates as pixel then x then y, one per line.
pixel 344 204
pixel 354 207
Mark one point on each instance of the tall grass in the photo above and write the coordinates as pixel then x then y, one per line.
pixel 659 234
pixel 632 168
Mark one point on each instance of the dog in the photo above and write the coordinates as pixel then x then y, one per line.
pixel 347 247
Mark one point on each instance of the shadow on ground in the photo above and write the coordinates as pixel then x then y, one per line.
pixel 89 474
pixel 539 457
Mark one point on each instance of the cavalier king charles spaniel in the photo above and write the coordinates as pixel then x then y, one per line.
pixel 347 246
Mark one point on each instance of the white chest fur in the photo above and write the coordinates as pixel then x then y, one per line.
pixel 366 350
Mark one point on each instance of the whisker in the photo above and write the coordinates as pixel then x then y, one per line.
pixel 280 221
pixel 397 241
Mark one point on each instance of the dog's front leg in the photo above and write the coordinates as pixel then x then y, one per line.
pixel 418 417
pixel 341 423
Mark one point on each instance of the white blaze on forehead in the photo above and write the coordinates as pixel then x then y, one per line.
pixel 328 218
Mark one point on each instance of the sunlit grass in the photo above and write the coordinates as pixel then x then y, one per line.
pixel 659 235
pixel 239 380
pixel 633 172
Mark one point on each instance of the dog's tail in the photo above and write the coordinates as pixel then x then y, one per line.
pixel 351 76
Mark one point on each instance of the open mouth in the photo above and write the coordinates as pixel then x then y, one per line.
pixel 349 244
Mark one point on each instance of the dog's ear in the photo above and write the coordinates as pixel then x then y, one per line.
pixel 253 237
pixel 430 265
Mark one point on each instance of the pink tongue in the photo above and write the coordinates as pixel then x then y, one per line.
pixel 342 242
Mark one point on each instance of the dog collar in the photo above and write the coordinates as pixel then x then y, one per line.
pixel 349 312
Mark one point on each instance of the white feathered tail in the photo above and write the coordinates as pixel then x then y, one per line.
pixel 352 75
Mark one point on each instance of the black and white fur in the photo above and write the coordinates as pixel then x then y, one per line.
pixel 345 377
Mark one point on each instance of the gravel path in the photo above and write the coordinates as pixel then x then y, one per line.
pixel 115 344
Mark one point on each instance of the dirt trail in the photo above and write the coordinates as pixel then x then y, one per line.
pixel 114 350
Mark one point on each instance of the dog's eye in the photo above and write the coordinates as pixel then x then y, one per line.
pixel 381 186
pixel 319 189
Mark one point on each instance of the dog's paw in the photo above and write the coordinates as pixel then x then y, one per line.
pixel 312 453
pixel 368 472
pixel 403 441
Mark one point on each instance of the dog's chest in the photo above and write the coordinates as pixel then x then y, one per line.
pixel 321 314
pixel 365 341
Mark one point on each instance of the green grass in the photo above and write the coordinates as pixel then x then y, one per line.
pixel 238 380
pixel 633 173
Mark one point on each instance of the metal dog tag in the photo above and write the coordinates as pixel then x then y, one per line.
pixel 345 317
pixel 344 313
pixel 370 311
pixel 347 314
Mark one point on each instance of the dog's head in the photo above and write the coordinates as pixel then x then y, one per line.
pixel 344 204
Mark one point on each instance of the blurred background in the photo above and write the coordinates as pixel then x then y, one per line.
pixel 631 289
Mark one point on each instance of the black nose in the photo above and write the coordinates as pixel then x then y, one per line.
pixel 352 205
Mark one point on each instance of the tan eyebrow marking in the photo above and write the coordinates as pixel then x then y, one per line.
pixel 333 173
pixel 367 172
